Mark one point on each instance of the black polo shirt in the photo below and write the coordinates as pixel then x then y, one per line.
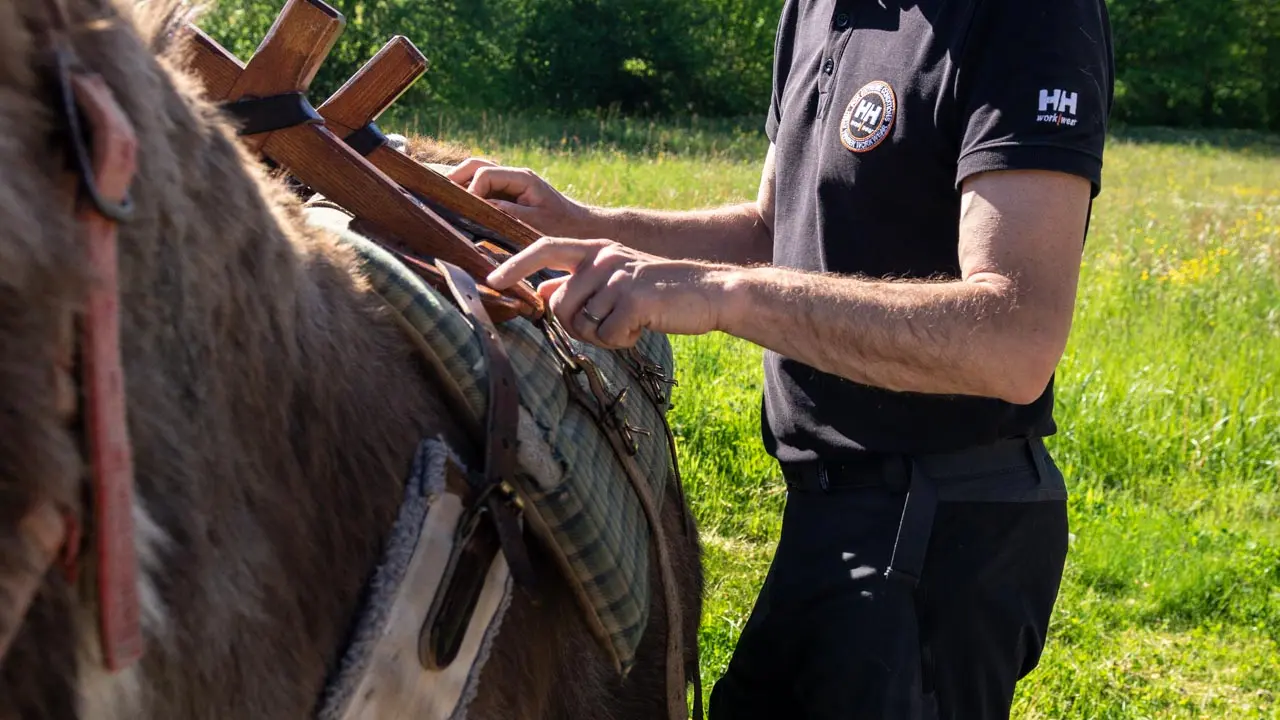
pixel 880 110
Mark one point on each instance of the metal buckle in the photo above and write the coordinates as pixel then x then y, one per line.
pixel 117 211
pixel 560 343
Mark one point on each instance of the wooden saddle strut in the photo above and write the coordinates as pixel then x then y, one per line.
pixel 420 217
pixel 268 96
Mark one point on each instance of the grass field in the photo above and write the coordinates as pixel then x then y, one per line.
pixel 1169 410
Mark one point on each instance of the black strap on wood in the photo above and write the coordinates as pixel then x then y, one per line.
pixel 366 139
pixel 275 112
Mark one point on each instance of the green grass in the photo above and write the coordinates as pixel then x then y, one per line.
pixel 1168 408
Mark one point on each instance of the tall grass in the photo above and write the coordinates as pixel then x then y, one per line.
pixel 1168 411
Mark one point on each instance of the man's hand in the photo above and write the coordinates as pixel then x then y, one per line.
pixel 521 194
pixel 740 234
pixel 613 292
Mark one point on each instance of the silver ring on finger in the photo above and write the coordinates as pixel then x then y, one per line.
pixel 590 316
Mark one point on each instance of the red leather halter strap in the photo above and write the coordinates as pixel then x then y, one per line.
pixel 104 159
pixel 114 152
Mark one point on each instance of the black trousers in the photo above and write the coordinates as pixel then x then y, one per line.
pixel 831 637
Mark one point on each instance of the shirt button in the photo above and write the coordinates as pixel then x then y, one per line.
pixel 829 66
pixel 842 21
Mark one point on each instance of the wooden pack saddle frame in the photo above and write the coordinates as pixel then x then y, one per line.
pixel 339 152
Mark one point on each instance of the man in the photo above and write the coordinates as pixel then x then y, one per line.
pixel 910 267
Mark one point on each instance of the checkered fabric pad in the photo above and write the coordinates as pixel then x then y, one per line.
pixel 586 501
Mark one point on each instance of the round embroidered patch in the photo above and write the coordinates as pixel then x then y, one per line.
pixel 869 117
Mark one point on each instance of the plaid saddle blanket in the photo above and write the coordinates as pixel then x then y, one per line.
pixel 586 509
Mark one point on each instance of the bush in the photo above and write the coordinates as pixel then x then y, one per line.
pixel 1182 63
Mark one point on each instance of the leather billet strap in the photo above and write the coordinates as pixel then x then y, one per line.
pixel 500 307
pixel 110 456
pixel 495 488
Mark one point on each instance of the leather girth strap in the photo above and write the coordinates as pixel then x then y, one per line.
pixel 491 495
pixel 650 378
pixel 501 428
pixel 597 402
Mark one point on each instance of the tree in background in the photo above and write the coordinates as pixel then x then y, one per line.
pixel 1197 63
pixel 640 56
pixel 1182 63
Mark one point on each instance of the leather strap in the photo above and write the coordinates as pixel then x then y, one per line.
pixel 476 543
pixel 652 377
pixel 500 308
pixel 114 148
pixel 103 153
pixel 496 487
pixel 914 529
pixel 275 112
pixel 596 401
pixel 366 139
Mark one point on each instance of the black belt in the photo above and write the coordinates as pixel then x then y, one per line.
pixel 918 476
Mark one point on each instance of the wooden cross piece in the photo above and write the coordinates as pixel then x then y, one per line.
pixel 363 98
pixel 294 136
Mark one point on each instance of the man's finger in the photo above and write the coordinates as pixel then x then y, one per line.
pixel 547 253
pixel 467 169
pixel 589 314
pixel 589 280
pixel 516 210
pixel 490 181
pixel 548 287
pixel 621 327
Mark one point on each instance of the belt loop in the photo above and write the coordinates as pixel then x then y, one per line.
pixel 824 482
pixel 1036 446
pixel 914 529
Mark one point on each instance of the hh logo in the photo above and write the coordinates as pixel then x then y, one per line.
pixel 868 113
pixel 1058 107
pixel 869 117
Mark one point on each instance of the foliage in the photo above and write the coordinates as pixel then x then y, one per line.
pixel 1183 63
pixel 1197 63
pixel 652 56
pixel 1168 407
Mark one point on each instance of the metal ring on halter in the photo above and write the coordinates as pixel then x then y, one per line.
pixel 587 314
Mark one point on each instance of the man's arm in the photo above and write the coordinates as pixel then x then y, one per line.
pixel 998 331
pixel 740 234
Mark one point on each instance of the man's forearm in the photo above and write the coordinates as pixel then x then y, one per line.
pixel 734 234
pixel 967 337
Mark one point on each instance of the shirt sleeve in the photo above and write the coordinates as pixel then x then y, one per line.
pixel 782 50
pixel 1035 88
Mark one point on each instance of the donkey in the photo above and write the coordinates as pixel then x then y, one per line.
pixel 273 407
